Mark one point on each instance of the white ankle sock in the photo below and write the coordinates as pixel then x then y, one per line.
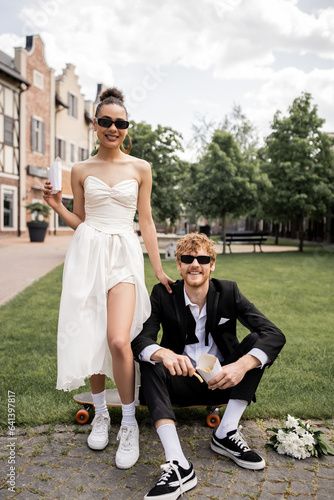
pixel 129 414
pixel 231 417
pixel 171 444
pixel 99 401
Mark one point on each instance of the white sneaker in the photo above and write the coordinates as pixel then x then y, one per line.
pixel 99 436
pixel 128 449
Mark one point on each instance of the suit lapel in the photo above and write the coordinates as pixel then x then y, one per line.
pixel 212 301
pixel 184 316
pixel 180 306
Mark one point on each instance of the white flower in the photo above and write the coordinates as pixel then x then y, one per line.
pixel 281 449
pixel 292 439
pixel 281 436
pixel 291 422
pixel 308 439
pixel 298 440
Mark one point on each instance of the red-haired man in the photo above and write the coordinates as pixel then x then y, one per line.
pixel 200 316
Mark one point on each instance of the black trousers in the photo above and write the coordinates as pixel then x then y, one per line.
pixel 160 390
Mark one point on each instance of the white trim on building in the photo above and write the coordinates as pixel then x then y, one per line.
pixel 8 212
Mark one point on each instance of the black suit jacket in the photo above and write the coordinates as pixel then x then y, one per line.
pixel 224 300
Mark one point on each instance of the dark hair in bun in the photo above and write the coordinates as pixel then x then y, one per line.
pixel 111 96
pixel 112 92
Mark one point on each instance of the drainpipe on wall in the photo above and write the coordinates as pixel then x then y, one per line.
pixel 53 159
pixel 22 89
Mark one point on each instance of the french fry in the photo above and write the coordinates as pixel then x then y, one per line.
pixel 199 377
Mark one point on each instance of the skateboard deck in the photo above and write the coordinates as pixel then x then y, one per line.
pixel 112 398
pixel 83 416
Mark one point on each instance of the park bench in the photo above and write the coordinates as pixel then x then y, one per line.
pixel 248 237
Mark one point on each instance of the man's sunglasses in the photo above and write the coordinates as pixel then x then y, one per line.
pixel 201 259
pixel 107 122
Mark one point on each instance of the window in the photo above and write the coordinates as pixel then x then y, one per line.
pixel 83 154
pixel 9 130
pixel 61 149
pixel 38 79
pixel 8 209
pixel 72 102
pixel 37 135
pixel 73 152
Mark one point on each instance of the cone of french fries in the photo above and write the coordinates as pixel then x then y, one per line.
pixel 208 366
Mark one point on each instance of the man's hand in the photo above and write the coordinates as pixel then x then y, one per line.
pixel 230 375
pixel 176 364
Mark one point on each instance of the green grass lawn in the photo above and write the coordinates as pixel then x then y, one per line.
pixel 294 290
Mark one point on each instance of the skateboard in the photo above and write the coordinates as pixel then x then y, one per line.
pixel 85 414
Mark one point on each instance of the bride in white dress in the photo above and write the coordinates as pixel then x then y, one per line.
pixel 104 300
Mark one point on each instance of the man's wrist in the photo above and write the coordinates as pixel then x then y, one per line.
pixel 158 355
pixel 248 362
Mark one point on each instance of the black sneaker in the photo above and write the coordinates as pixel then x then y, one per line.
pixel 235 447
pixel 173 482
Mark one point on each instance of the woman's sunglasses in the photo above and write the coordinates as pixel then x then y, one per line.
pixel 201 259
pixel 107 122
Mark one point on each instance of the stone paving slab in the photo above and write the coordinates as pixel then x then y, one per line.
pixel 23 262
pixel 55 463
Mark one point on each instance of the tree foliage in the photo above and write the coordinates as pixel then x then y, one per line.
pixel 225 182
pixel 236 122
pixel 242 130
pixel 161 146
pixel 299 163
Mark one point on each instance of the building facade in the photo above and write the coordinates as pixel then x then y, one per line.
pixel 73 130
pixel 41 117
pixel 39 111
pixel 12 131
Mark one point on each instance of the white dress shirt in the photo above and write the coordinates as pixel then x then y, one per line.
pixel 194 351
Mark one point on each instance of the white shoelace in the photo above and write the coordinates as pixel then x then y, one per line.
pixel 169 467
pixel 124 436
pixel 240 440
pixel 100 424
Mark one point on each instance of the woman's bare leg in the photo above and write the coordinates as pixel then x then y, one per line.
pixel 121 307
pixel 97 383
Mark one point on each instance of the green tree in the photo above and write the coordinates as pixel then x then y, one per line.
pixel 243 132
pixel 161 146
pixel 299 163
pixel 203 130
pixel 236 122
pixel 245 135
pixel 225 182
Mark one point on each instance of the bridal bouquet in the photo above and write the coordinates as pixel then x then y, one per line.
pixel 298 440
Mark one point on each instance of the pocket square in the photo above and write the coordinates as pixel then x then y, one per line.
pixel 223 320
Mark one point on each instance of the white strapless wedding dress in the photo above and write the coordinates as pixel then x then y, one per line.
pixel 104 251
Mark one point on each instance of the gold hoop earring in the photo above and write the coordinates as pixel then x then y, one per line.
pixel 126 148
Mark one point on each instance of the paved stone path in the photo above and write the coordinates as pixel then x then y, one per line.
pixel 55 463
pixel 23 262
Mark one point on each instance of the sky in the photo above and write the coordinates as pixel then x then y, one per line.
pixel 179 60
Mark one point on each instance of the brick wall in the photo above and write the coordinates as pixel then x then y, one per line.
pixel 38 105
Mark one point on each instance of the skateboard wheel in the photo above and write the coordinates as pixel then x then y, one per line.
pixel 213 420
pixel 82 417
